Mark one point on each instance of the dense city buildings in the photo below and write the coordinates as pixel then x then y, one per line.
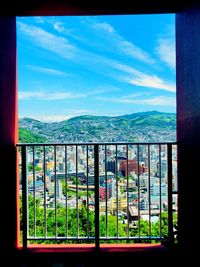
pixel 133 179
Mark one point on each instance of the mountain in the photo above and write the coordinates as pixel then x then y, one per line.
pixel 152 126
pixel 153 118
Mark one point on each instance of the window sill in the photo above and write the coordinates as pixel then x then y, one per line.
pixel 88 248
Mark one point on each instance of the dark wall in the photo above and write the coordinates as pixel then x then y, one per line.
pixel 188 102
pixel 8 133
pixel 188 123
pixel 84 7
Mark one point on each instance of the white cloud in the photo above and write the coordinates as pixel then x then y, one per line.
pixel 96 62
pixel 77 112
pixel 152 101
pixel 135 52
pixel 120 43
pixel 27 95
pixel 166 51
pixel 103 26
pixel 63 95
pixel 103 90
pixel 47 70
pixel 152 82
pixel 138 78
pixel 160 101
pixel 50 118
pixel 49 41
pixel 70 113
pixel 109 38
pixel 128 74
pixel 58 26
pixel 39 19
pixel 42 95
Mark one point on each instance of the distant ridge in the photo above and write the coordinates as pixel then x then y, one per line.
pixel 127 116
pixel 150 126
pixel 94 117
pixel 149 113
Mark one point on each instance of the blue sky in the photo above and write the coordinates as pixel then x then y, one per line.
pixel 95 65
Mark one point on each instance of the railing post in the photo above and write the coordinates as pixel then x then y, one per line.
pixel 24 196
pixel 170 201
pixel 96 176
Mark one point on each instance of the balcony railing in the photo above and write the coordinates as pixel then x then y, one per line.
pixel 98 193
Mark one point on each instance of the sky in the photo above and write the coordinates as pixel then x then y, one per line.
pixel 95 65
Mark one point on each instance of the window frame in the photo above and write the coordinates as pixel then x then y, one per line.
pixel 187 109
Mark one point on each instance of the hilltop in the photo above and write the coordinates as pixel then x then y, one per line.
pixel 152 126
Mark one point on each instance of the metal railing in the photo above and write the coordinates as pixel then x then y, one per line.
pixel 98 192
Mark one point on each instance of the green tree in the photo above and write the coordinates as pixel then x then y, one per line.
pixel 65 222
pixel 112 227
pixel 26 136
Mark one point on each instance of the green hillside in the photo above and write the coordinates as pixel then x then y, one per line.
pixel 151 126
pixel 26 136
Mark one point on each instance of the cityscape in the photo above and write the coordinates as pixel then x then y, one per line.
pixel 151 126
pixel 133 180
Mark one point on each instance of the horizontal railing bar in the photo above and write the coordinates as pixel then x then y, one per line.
pixel 133 238
pixel 95 143
pixel 93 238
pixel 60 238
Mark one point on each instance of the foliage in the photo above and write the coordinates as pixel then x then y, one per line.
pixel 65 221
pixel 26 136
pixel 37 168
